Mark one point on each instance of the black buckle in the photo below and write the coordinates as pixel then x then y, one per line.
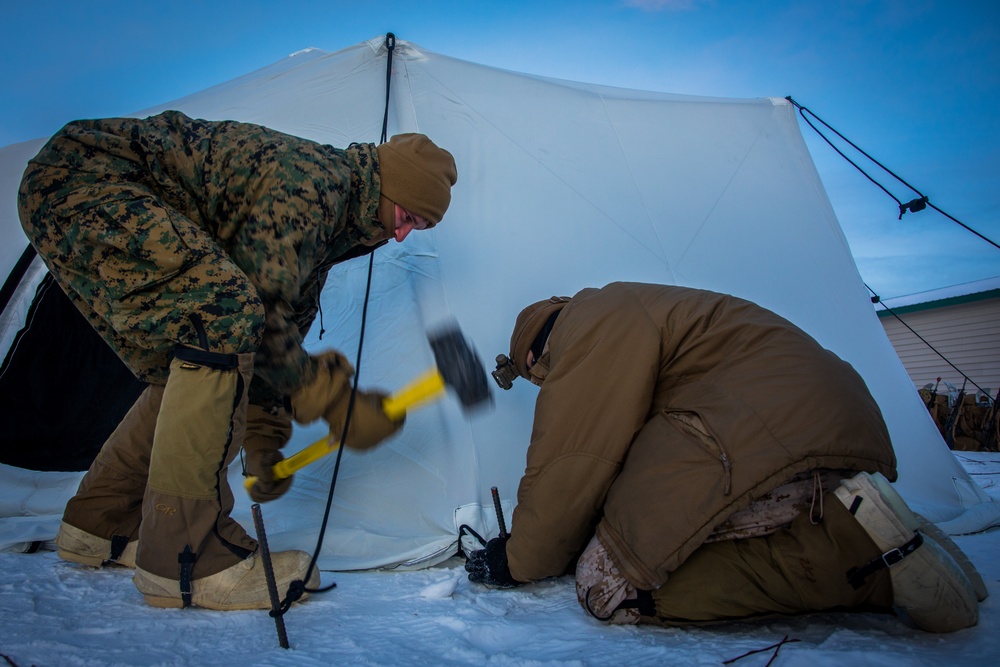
pixel 856 575
pixel 892 556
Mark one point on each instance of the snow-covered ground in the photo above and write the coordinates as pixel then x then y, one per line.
pixel 56 614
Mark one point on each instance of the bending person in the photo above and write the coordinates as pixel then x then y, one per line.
pixel 697 458
pixel 198 250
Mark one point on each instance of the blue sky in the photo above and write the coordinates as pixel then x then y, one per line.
pixel 915 83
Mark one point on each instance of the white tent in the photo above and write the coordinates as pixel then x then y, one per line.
pixel 562 186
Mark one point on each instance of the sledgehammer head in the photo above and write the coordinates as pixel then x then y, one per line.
pixel 460 367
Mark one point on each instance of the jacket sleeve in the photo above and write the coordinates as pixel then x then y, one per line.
pixel 290 229
pixel 604 357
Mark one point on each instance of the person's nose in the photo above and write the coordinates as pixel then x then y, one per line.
pixel 402 232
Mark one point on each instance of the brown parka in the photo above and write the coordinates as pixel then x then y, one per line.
pixel 664 410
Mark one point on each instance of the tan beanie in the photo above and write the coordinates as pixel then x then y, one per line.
pixel 527 326
pixel 417 175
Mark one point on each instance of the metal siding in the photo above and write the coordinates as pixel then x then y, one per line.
pixel 968 335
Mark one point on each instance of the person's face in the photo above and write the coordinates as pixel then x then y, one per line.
pixel 529 361
pixel 406 222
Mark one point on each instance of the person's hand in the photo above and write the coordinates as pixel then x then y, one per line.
pixel 329 395
pixel 260 464
pixel 266 433
pixel 489 566
pixel 369 425
pixel 330 386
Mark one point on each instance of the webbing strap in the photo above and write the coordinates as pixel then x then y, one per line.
pixel 643 603
pixel 118 544
pixel 186 559
pixel 856 575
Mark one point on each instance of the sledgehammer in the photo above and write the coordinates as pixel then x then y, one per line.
pixel 456 366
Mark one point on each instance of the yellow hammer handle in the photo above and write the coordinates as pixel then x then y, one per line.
pixel 288 467
pixel 424 388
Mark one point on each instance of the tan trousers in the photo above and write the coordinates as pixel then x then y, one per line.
pixel 162 476
pixel 108 502
pixel 799 569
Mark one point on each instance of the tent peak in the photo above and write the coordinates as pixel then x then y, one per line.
pixel 402 47
pixel 308 49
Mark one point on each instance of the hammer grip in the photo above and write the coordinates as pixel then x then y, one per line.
pixel 288 467
pixel 420 390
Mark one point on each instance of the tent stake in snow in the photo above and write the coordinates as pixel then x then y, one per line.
pixel 272 586
pixel 501 525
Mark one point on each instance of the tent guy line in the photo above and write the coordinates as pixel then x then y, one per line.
pixel 914 205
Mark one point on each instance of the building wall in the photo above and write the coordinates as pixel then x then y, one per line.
pixel 967 334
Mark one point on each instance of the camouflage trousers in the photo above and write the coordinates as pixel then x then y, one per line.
pixel 602 590
pixel 145 276
pixel 772 567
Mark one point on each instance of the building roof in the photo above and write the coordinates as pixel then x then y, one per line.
pixel 978 290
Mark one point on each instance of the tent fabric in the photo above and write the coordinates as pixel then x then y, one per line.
pixel 562 185
pixel 58 366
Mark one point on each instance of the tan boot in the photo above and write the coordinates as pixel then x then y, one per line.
pixel 81 547
pixel 190 550
pixel 927 583
pixel 101 522
pixel 972 574
pixel 242 586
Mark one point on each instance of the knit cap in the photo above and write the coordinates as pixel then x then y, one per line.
pixel 417 175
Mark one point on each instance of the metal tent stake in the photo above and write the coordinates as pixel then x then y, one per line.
pixel 272 586
pixel 501 525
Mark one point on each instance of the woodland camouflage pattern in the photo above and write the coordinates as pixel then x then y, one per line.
pixel 152 225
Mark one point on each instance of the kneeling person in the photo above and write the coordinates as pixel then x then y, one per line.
pixel 698 458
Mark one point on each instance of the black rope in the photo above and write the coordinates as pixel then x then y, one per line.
pixel 776 647
pixel 297 588
pixel 914 205
pixel 390 46
pixel 466 528
pixel 877 299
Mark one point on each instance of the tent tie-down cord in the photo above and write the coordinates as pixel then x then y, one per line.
pixel 775 647
pixel 877 299
pixel 297 588
pixel 501 524
pixel 914 205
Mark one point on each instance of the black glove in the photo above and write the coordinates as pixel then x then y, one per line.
pixel 489 566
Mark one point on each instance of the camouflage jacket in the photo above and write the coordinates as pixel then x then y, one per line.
pixel 284 209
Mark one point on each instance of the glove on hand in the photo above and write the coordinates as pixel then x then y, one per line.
pixel 489 566
pixel 369 423
pixel 331 384
pixel 266 434
pixel 329 395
